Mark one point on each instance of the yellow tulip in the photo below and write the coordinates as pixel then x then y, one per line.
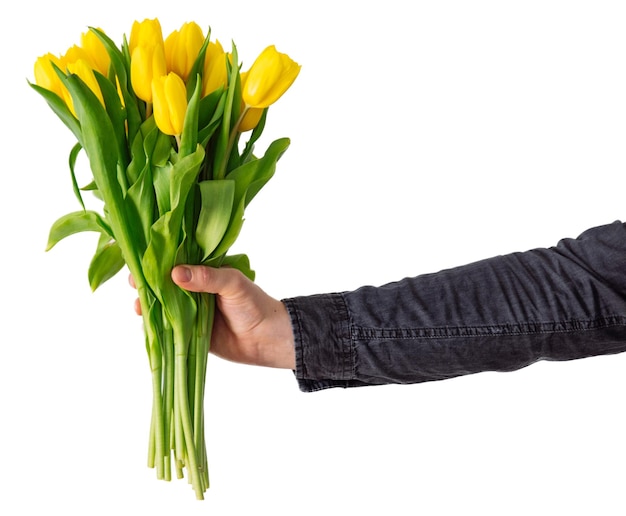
pixel 73 54
pixel 215 73
pixel 170 103
pixel 83 69
pixel 147 59
pixel 96 51
pixel 146 63
pixel 46 76
pixel 182 48
pixel 74 62
pixel 250 119
pixel 147 33
pixel 268 78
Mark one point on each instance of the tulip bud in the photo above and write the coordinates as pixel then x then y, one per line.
pixel 46 76
pixel 269 77
pixel 215 74
pixel 147 33
pixel 146 63
pixel 96 51
pixel 182 48
pixel 169 96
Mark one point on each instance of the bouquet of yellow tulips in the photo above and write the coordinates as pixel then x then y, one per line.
pixel 162 121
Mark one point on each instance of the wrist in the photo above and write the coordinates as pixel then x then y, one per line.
pixel 279 352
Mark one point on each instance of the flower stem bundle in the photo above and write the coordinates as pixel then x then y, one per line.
pixel 162 122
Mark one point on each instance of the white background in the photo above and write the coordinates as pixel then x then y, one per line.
pixel 425 135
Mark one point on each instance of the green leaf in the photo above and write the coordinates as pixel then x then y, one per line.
pixel 211 107
pixel 159 258
pixel 161 181
pixel 223 148
pixel 198 65
pixel 60 108
pixel 106 263
pixel 116 113
pixel 91 187
pixel 189 137
pixel 72 162
pixel 76 222
pixel 240 262
pixel 246 155
pixel 140 202
pixel 162 149
pixel 166 236
pixel 215 213
pixel 205 134
pixel 138 161
pixel 249 179
pixel 150 148
pixel 121 68
pixel 183 175
pixel 98 140
pixel 234 228
pixel 157 263
pixel 253 175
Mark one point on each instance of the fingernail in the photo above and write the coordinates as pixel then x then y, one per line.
pixel 182 274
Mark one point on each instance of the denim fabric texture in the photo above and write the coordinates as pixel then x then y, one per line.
pixel 501 314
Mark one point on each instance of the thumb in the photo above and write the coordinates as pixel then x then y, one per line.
pixel 200 278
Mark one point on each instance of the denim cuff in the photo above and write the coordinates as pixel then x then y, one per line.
pixel 324 349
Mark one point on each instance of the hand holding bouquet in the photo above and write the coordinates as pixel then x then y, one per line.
pixel 162 122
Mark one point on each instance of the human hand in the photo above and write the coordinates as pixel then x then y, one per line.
pixel 250 326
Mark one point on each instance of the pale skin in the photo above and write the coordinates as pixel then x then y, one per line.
pixel 250 326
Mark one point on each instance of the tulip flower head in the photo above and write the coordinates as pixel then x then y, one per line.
pixel 147 33
pixel 271 75
pixel 215 74
pixel 75 61
pixel 46 76
pixel 147 61
pixel 96 52
pixel 170 103
pixel 182 48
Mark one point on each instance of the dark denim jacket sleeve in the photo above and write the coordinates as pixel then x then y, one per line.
pixel 501 314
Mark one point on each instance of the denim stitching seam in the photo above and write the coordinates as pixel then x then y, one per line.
pixel 493 330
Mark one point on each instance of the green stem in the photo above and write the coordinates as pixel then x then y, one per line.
pixel 159 440
pixel 151 441
pixel 202 336
pixel 221 170
pixel 185 417
pixel 153 335
pixel 179 443
pixel 168 396
pixel 192 360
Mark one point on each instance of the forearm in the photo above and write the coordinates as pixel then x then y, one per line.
pixel 500 314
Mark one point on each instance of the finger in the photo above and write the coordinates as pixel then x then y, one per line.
pixel 131 281
pixel 137 307
pixel 198 278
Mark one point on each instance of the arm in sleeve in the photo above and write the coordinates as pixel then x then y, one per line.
pixel 501 314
